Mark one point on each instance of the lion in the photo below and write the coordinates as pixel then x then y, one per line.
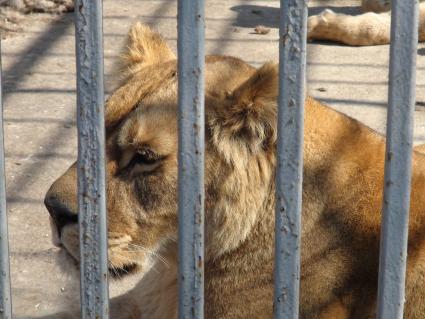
pixel 370 28
pixel 342 196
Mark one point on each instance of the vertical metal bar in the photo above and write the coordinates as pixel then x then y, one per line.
pixel 5 297
pixel 91 160
pixel 292 63
pixel 398 165
pixel 191 62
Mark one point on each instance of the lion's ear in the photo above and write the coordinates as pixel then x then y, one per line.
pixel 250 120
pixel 145 47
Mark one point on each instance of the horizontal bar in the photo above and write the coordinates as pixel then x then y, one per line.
pixel 91 160
pixel 191 62
pixel 398 164
pixel 292 64
pixel 5 296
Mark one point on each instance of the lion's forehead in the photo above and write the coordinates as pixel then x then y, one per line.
pixel 155 127
pixel 154 119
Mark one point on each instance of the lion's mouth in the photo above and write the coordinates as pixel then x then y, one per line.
pixel 114 271
pixel 70 248
pixel 119 272
pixel 68 241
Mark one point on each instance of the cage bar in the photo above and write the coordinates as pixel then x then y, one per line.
pixel 91 160
pixel 191 63
pixel 5 295
pixel 292 64
pixel 398 162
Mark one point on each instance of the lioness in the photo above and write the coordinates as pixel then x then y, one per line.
pixel 342 196
pixel 370 28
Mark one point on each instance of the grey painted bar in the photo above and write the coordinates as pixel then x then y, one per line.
pixel 5 296
pixel 191 62
pixel 292 64
pixel 91 160
pixel 398 165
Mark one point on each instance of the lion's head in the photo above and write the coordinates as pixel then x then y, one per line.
pixel 141 151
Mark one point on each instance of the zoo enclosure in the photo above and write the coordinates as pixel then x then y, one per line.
pixel 292 58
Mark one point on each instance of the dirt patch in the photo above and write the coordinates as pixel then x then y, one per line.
pixel 14 12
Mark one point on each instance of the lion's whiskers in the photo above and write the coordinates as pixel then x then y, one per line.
pixel 114 269
pixel 123 260
pixel 149 251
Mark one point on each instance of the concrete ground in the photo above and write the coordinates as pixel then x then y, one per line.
pixel 40 128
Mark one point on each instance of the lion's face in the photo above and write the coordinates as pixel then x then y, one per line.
pixel 141 152
pixel 141 173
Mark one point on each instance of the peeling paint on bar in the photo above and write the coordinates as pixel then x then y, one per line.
pixel 91 160
pixel 292 64
pixel 398 166
pixel 191 36
pixel 5 296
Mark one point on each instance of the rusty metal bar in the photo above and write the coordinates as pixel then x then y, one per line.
pixel 5 295
pixel 398 164
pixel 91 160
pixel 191 62
pixel 292 64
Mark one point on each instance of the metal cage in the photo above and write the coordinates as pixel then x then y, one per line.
pixel 292 58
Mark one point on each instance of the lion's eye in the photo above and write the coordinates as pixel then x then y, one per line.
pixel 144 156
pixel 144 161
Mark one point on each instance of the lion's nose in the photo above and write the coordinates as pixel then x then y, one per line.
pixel 60 213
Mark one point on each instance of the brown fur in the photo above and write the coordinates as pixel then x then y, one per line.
pixel 342 197
pixel 370 28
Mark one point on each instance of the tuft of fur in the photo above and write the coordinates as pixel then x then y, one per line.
pixel 249 123
pixel 144 47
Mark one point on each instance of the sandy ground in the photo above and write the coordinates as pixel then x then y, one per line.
pixel 40 128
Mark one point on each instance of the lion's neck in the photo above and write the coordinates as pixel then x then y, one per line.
pixel 334 146
pixel 329 134
pixel 343 162
pixel 246 270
